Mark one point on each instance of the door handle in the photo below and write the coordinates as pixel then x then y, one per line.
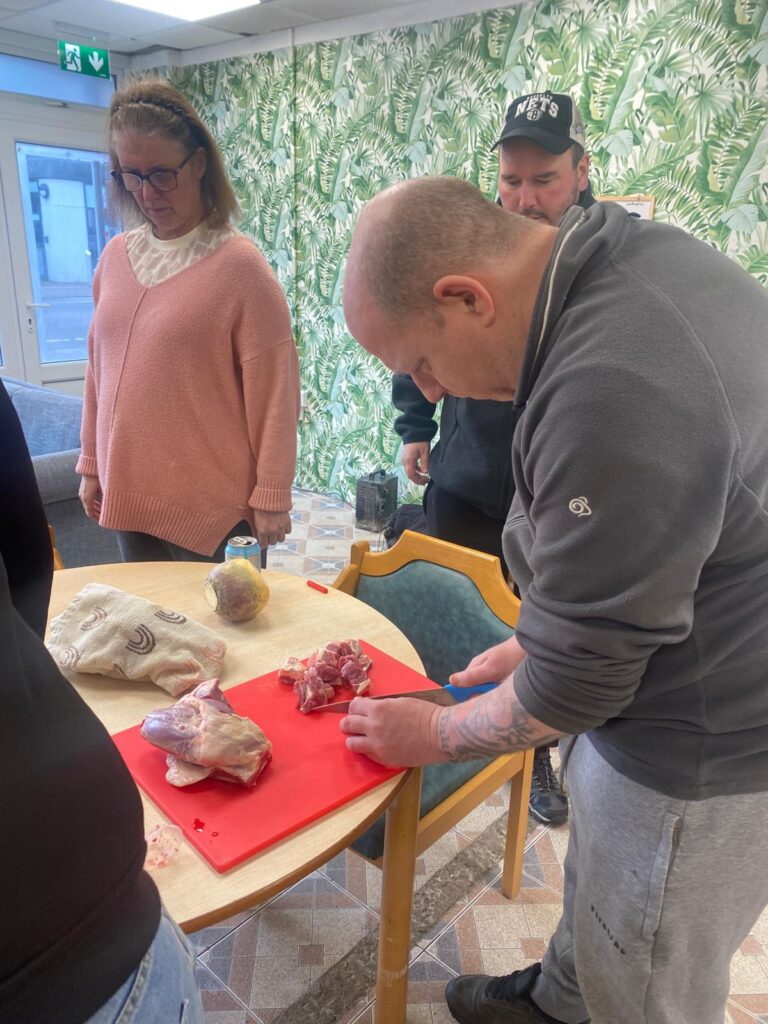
pixel 38 305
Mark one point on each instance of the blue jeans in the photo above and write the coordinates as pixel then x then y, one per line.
pixel 163 988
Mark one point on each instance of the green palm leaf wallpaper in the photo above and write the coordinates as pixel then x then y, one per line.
pixel 675 98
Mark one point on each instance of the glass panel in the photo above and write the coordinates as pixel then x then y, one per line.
pixel 67 225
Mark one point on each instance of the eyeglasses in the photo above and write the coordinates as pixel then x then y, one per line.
pixel 163 181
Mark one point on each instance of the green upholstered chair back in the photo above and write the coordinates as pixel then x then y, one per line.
pixel 441 611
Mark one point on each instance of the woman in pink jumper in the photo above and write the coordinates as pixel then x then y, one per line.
pixel 192 389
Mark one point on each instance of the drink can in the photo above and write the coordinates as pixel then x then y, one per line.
pixel 243 547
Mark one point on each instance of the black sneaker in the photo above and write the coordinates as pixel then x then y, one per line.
pixel 548 803
pixel 480 999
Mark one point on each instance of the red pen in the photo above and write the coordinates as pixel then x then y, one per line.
pixel 317 586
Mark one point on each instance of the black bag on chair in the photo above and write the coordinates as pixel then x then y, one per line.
pixel 407 517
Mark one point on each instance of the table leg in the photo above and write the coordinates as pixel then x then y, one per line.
pixel 396 900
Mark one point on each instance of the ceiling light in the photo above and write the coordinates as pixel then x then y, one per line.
pixel 190 10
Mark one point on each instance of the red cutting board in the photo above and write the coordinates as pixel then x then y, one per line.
pixel 311 772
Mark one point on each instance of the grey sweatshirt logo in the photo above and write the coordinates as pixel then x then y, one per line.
pixel 580 507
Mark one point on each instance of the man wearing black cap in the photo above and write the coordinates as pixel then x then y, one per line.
pixel 543 163
pixel 543 170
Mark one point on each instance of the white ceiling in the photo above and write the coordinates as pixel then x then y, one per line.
pixel 131 31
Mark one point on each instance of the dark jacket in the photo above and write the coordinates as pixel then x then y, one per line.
pixel 471 459
pixel 78 911
pixel 24 542
pixel 638 534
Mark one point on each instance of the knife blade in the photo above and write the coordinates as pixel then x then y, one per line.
pixel 440 696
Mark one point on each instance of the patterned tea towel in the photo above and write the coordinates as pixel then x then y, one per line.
pixel 121 635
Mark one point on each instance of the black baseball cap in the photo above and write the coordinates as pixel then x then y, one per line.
pixel 550 119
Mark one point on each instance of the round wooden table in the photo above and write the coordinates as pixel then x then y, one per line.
pixel 296 620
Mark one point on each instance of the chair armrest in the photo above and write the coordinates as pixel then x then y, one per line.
pixel 56 476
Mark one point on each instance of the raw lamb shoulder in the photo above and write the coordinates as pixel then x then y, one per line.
pixel 204 737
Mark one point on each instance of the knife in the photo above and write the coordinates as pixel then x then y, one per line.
pixel 445 696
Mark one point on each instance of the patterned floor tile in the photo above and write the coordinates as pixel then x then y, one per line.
pixel 748 977
pixel 333 518
pixel 542 863
pixel 361 1013
pixel 479 819
pixel 427 979
pixel 218 1000
pixel 302 500
pixel 357 877
pixel 273 957
pixel 208 937
pixel 751 1007
pixel 429 940
pixel 436 856
pixel 334 532
pixel 323 528
pixel 228 1017
pixel 365 1017
pixel 760 931
pixel 327 548
pixel 287 561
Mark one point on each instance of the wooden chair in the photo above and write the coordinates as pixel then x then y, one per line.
pixel 451 603
pixel 57 562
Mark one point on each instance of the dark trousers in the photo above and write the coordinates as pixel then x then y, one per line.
pixel 456 521
pixel 143 547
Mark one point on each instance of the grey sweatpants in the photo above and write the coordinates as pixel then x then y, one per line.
pixel 659 894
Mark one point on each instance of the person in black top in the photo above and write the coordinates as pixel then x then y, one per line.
pixel 80 914
pixel 543 171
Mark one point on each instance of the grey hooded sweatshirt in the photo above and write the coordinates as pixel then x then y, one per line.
pixel 639 529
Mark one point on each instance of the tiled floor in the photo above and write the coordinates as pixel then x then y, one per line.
pixel 255 965
pixel 319 543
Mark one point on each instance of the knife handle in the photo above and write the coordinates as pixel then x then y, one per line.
pixel 461 693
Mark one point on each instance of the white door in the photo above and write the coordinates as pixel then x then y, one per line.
pixel 53 172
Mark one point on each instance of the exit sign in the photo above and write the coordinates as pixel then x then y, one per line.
pixel 84 60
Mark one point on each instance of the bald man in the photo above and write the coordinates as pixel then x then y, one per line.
pixel 543 171
pixel 635 357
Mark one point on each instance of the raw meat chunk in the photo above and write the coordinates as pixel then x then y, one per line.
pixel 354 675
pixel 291 671
pixel 326 663
pixel 340 663
pixel 311 691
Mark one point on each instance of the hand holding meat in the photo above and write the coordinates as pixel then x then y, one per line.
pixel 204 737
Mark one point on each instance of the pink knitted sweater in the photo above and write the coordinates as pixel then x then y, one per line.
pixel 191 396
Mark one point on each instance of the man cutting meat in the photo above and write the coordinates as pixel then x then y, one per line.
pixel 636 360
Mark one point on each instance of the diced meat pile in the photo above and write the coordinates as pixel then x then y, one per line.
pixel 204 737
pixel 327 669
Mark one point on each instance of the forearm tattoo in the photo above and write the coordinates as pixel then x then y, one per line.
pixel 482 728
